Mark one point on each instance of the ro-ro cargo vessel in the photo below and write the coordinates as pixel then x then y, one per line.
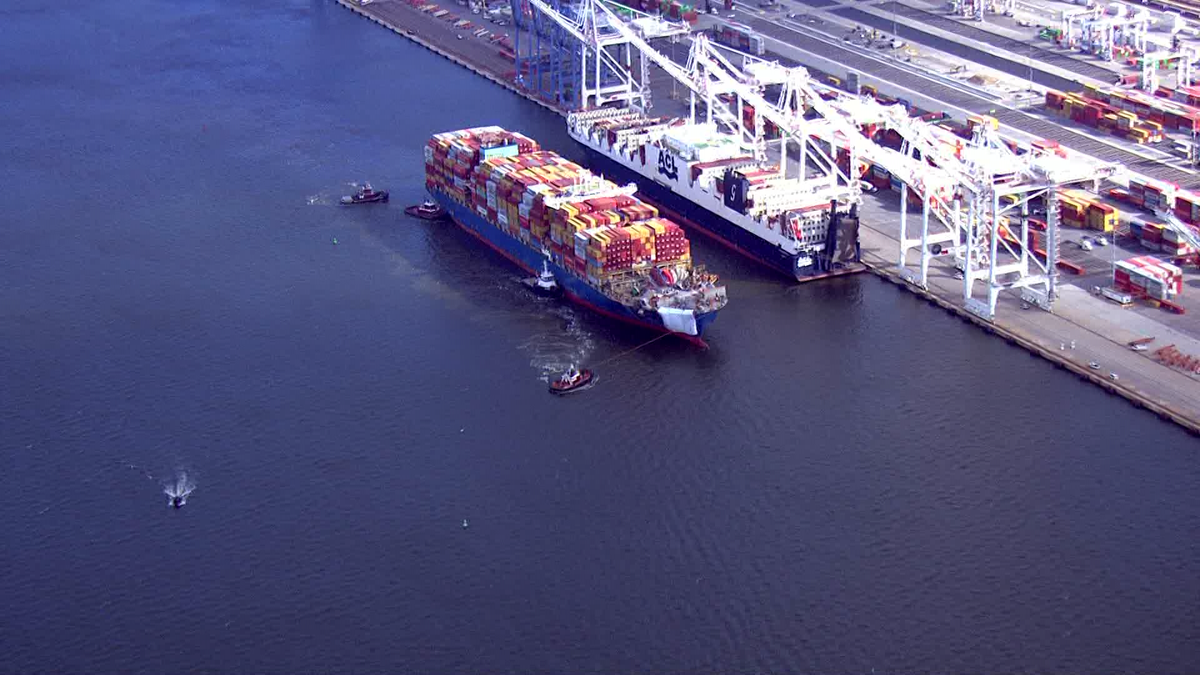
pixel 714 184
pixel 606 248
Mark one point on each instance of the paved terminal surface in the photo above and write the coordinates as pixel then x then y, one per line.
pixel 1099 329
pixel 478 53
pixel 997 51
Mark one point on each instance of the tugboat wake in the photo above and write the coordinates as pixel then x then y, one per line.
pixel 178 491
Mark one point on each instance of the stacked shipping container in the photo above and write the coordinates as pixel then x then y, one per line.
pixel 507 180
pixel 1148 276
pixel 1100 114
pixel 1171 114
pixel 1081 209
pixel 737 36
pixel 1156 237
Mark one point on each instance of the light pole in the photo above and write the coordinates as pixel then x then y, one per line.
pixel 1029 61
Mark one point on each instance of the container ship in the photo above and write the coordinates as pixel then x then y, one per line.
pixel 707 180
pixel 607 249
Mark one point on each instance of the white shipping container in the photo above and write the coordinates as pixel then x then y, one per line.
pixel 1157 293
pixel 1153 284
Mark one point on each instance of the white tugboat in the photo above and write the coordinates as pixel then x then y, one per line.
pixel 544 283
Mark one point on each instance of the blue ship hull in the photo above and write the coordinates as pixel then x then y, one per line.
pixel 686 213
pixel 576 288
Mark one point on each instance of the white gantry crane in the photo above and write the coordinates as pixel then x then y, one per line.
pixel 980 194
pixel 606 72
pixel 1097 31
pixel 973 192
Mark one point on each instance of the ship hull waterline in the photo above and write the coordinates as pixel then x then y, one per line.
pixel 574 289
pixel 679 209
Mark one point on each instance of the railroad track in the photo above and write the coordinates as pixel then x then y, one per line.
pixel 1034 126
pixel 1016 48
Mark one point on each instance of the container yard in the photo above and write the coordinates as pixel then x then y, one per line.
pixel 739 37
pixel 1085 313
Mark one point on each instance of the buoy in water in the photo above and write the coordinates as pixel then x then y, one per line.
pixel 464 523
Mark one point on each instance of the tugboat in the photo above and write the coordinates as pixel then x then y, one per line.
pixel 428 210
pixel 366 195
pixel 572 380
pixel 544 283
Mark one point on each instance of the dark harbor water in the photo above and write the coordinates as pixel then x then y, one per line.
pixel 848 480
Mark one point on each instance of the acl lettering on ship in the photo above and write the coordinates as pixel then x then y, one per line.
pixel 666 164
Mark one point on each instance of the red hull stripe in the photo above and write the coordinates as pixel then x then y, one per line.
pixel 575 298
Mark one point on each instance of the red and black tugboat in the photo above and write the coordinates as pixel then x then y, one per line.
pixel 429 210
pixel 572 380
pixel 366 195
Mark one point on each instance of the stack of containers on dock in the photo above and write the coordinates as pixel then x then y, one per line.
pixel 1151 236
pixel 1082 210
pixel 1159 109
pixel 1174 244
pixel 1156 195
pixel 1119 119
pixel 1146 275
pixel 1187 207
pixel 1188 95
pixel 1072 211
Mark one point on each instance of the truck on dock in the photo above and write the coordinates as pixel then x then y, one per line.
pixel 1121 298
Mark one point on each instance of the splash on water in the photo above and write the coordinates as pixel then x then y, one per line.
pixel 555 349
pixel 179 489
